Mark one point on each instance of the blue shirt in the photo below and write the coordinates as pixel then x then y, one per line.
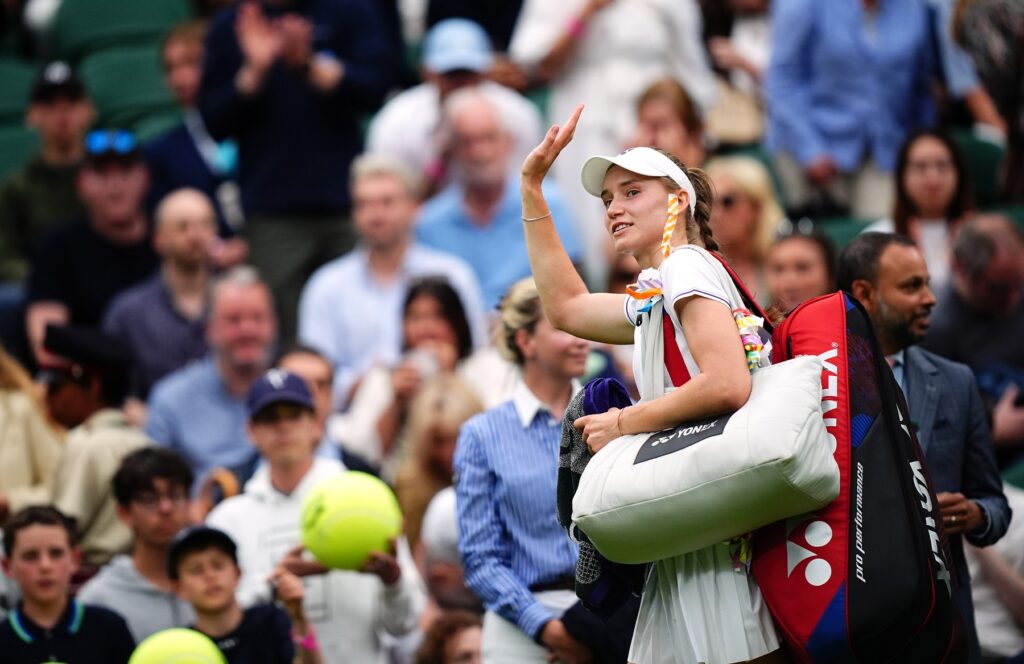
pixel 192 413
pixel 159 336
pixel 846 85
pixel 506 469
pixel 355 319
pixel 496 250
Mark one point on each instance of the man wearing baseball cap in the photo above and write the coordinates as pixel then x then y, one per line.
pixel 86 379
pixel 350 611
pixel 78 267
pixel 456 54
pixel 42 192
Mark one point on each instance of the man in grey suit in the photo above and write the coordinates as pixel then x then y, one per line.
pixel 888 275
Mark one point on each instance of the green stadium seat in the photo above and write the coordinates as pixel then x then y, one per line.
pixel 984 163
pixel 17 144
pixel 126 85
pixel 152 126
pixel 85 26
pixel 16 78
pixel 842 229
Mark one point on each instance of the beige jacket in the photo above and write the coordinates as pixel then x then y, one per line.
pixel 29 450
pixel 92 454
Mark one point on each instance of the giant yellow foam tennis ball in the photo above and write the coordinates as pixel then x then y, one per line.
pixel 348 517
pixel 177 646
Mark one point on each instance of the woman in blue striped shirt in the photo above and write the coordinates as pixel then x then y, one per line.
pixel 517 558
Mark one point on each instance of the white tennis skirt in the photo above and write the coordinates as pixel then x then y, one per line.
pixel 698 609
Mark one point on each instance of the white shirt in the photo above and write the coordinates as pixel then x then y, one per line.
pixel 351 612
pixel 356 320
pixel 626 47
pixel 407 126
pixel 688 271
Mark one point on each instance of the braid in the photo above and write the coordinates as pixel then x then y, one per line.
pixel 698 224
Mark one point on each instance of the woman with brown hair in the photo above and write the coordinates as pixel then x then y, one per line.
pixel 668 119
pixel 435 417
pixel 29 445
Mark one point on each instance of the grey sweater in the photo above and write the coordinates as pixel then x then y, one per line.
pixel 146 608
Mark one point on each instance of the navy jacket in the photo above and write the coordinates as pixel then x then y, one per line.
pixel 296 143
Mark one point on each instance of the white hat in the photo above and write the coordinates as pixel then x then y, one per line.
pixel 642 161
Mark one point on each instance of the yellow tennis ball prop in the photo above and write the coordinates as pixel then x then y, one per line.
pixel 348 517
pixel 177 646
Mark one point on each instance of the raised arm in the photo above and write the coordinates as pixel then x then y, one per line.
pixel 567 303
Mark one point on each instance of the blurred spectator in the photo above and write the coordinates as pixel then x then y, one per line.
pixel 605 53
pixel 334 314
pixel 435 417
pixel 497 17
pixel 41 555
pixel 435 338
pixel 456 54
pixel 187 156
pixel 668 119
pixel 933 195
pixel 151 489
pixel 78 268
pixel 887 274
pixel 745 217
pixel 289 80
pixel 847 82
pixel 313 367
pixel 29 445
pixel 199 411
pixel 439 555
pixel 204 565
pixel 350 611
pixel 997 586
pixel 991 31
pixel 958 73
pixel 800 267
pixel 42 192
pixel 454 638
pixel 980 315
pixel 85 388
pixel 516 556
pixel 743 56
pixel 162 319
pixel 478 217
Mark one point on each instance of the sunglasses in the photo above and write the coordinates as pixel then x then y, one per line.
pixel 106 141
pixel 729 200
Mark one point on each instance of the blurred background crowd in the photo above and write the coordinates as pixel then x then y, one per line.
pixel 194 192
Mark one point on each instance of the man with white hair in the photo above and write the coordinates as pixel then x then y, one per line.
pixel 351 308
pixel 199 411
pixel 161 320
pixel 478 216
pixel 456 55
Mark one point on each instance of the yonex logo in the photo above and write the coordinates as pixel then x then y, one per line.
pixel 817 534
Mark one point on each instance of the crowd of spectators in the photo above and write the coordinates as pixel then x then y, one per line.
pixel 318 237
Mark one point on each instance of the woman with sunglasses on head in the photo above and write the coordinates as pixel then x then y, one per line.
pixel 726 619
pixel 933 195
pixel 745 217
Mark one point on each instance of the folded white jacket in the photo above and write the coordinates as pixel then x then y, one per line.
pixel 650 496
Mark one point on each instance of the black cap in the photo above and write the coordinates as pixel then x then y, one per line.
pixel 86 349
pixel 195 539
pixel 57 81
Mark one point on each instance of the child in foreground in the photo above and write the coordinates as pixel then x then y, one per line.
pixel 41 555
pixel 203 564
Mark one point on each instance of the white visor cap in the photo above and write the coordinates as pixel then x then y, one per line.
pixel 642 161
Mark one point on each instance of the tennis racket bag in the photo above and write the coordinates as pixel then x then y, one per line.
pixel 867 578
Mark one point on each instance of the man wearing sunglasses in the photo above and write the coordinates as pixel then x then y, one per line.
pixel 86 379
pixel 78 267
